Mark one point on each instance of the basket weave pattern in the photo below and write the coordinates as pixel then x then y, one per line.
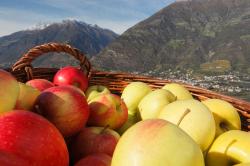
pixel 23 71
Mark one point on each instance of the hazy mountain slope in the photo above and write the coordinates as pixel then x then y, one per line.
pixel 211 35
pixel 90 39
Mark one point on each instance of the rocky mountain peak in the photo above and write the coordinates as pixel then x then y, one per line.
pixel 90 39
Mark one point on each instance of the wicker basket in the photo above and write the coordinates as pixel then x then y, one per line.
pixel 23 71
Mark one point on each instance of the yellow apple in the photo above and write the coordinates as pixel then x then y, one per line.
pixel 151 105
pixel 156 142
pixel 198 122
pixel 231 147
pixel 178 90
pixel 9 91
pixel 95 90
pixel 27 97
pixel 225 115
pixel 242 164
pixel 133 93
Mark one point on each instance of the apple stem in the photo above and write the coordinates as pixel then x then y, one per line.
pixel 230 144
pixel 183 116
pixel 104 129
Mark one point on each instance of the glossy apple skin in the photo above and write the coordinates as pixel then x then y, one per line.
pixel 9 91
pixel 156 142
pixel 29 139
pixel 92 140
pixel 151 104
pixel 107 109
pixel 242 164
pixel 198 123
pixel 132 119
pixel 71 76
pixel 225 115
pixel 65 106
pixel 27 97
pixel 40 84
pixel 9 159
pixel 231 147
pixel 98 159
pixel 133 93
pixel 96 90
pixel 178 90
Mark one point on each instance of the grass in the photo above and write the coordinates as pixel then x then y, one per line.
pixel 245 37
pixel 176 43
pixel 216 66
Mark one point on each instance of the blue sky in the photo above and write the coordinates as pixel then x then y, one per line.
pixel 117 15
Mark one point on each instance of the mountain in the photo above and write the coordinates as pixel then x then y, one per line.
pixel 201 35
pixel 88 38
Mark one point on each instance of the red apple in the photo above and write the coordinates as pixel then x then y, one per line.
pixel 71 76
pixel 94 140
pixel 98 159
pixel 65 106
pixel 108 109
pixel 9 90
pixel 9 159
pixel 40 84
pixel 29 139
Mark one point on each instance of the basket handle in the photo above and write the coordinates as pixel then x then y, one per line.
pixel 25 61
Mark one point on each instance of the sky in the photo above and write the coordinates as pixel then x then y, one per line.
pixel 117 15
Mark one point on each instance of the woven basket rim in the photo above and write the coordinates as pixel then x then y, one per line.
pixel 114 80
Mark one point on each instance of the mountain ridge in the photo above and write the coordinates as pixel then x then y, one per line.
pixel 203 35
pixel 90 39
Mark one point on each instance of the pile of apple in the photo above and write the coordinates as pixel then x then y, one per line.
pixel 67 122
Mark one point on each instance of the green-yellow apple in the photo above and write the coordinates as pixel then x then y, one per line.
pixel 27 97
pixel 156 142
pixel 40 84
pixel 132 119
pixel 96 159
pixel 95 90
pixel 65 106
pixel 107 109
pixel 231 147
pixel 198 122
pixel 133 93
pixel 151 104
pixel 178 90
pixel 9 90
pixel 225 115
pixel 94 140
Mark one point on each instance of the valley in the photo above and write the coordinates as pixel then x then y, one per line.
pixel 232 83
